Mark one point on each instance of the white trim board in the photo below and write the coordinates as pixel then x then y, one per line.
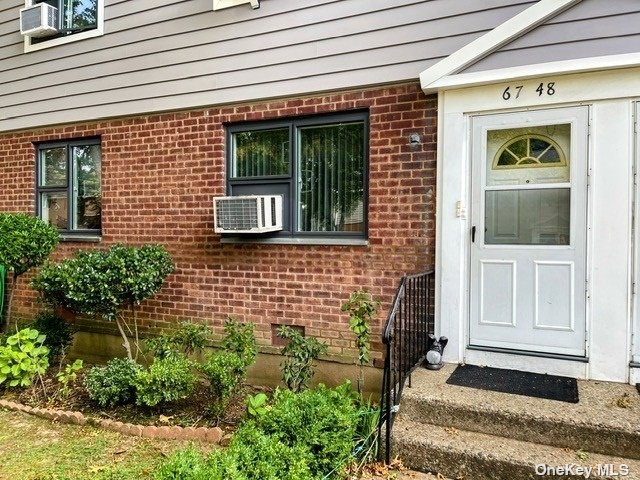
pixel 579 65
pixel 491 41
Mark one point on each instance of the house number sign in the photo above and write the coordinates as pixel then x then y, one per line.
pixel 543 89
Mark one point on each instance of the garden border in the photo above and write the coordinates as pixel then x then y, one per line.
pixel 205 434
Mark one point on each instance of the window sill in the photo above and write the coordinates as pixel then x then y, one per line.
pixel 76 37
pixel 81 238
pixel 348 242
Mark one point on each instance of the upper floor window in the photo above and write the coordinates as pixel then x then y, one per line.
pixel 319 166
pixel 77 19
pixel 69 191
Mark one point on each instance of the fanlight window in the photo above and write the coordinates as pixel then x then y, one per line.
pixel 529 151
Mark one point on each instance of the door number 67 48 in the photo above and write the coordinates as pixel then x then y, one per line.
pixel 509 92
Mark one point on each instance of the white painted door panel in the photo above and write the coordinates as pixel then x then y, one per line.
pixel 529 209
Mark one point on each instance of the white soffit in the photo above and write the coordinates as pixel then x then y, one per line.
pixel 491 41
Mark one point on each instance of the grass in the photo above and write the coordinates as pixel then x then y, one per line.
pixel 32 448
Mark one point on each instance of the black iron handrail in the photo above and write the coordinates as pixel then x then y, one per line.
pixel 406 340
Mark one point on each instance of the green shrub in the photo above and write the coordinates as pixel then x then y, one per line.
pixel 307 436
pixel 23 357
pixel 362 308
pixel 185 464
pixel 25 242
pixel 239 338
pixel 113 384
pixel 255 455
pixel 58 333
pixel 103 282
pixel 167 380
pixel 252 455
pixel 188 338
pixel 257 405
pixel 324 420
pixel 67 377
pixel 297 369
pixel 226 371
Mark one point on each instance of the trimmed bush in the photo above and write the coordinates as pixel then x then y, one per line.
pixel 25 242
pixel 306 436
pixel 226 371
pixel 167 380
pixel 103 282
pixel 113 384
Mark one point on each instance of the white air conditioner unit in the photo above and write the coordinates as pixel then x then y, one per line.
pixel 248 214
pixel 40 20
pixel 220 4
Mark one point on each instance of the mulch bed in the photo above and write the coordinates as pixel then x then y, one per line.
pixel 189 412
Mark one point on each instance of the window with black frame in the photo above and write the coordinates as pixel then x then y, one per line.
pixel 69 187
pixel 319 166
pixel 74 16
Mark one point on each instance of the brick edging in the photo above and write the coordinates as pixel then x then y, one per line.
pixel 205 434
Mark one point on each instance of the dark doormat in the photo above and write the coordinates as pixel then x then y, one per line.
pixel 552 387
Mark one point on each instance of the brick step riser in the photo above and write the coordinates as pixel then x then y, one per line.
pixel 604 440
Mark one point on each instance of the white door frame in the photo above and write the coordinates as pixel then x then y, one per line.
pixel 609 221
pixel 634 364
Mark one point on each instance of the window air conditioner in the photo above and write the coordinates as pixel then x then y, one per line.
pixel 40 20
pixel 248 214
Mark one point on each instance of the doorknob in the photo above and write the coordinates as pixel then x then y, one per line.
pixel 473 234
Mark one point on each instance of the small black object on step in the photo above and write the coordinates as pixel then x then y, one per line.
pixel 434 354
pixel 552 387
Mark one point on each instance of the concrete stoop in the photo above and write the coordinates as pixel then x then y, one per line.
pixel 476 434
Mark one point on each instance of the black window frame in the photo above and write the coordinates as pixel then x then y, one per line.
pixel 294 124
pixel 69 189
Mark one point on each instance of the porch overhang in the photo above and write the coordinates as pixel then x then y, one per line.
pixel 443 75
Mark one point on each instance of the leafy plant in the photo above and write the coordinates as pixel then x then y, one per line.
pixel 225 371
pixel 67 377
pixel 105 282
pixel 113 384
pixel 361 308
pixel 257 405
pixel 188 338
pixel 310 435
pixel 25 242
pixel 239 338
pixel 23 357
pixel 297 368
pixel 167 380
pixel 324 420
pixel 58 333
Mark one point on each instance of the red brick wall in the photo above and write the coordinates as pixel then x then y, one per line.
pixel 160 173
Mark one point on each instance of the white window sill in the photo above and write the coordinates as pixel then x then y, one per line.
pixel 348 242
pixel 76 37
pixel 81 238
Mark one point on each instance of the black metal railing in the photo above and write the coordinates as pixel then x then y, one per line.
pixel 406 341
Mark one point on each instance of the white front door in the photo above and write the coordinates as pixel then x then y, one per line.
pixel 529 217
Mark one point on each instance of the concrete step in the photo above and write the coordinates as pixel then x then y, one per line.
pixel 477 456
pixel 606 420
